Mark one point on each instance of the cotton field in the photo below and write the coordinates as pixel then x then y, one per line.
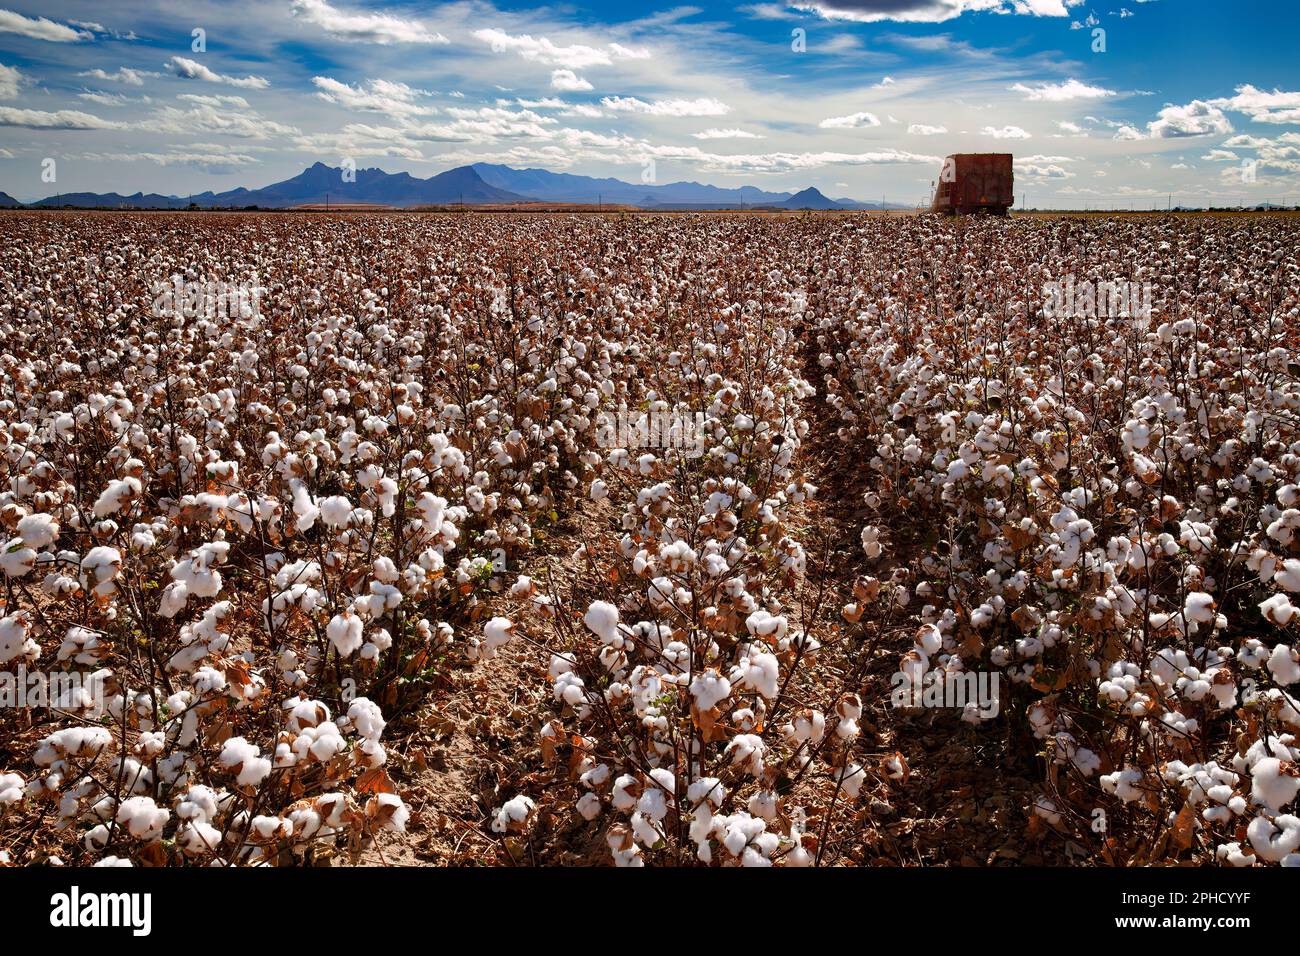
pixel 667 540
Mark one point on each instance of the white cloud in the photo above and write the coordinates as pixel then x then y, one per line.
pixel 923 11
pixel 1062 92
pixel 122 75
pixel 101 98
pixel 61 119
pixel 216 160
pixel 715 133
pixel 1261 106
pixel 381 28
pixel 193 70
pixel 921 129
pixel 40 28
pixel 1005 132
pixel 207 118
pixel 1197 118
pixel 1246 142
pixel 378 96
pixel 218 101
pixel 542 50
pixel 568 81
pixel 10 79
pixel 852 121
pixel 786 162
pixel 704 106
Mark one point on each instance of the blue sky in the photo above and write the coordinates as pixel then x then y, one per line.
pixel 860 98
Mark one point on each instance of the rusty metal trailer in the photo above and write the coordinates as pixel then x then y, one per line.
pixel 975 182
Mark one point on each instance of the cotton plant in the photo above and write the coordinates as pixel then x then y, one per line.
pixel 1114 502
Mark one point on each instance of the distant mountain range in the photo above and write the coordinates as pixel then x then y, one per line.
pixel 476 185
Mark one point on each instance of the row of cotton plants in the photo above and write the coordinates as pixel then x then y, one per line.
pixel 1113 502
pixel 258 535
pixel 692 718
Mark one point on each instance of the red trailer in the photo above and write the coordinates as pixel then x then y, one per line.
pixel 975 182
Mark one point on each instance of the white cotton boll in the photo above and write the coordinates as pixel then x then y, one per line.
pixel 571 689
pixel 304 509
pixel 17 560
pixel 514 815
pixel 588 806
pixel 345 632
pixel 1273 839
pixel 763 624
pixel 930 639
pixel 497 633
pixel 335 510
pixel 1199 607
pixel 198 803
pixel 1253 654
pixel 174 598
pixel 1284 665
pixel 96 838
pixel 757 672
pixel 241 758
pixel 38 530
pixel 1289 576
pixel 1233 855
pixel 366 718
pixel 116 496
pixel 709 688
pixel 1046 808
pixel 322 743
pixel 599 490
pixel 15 641
pixel 12 787
pixel 197 837
pixel 1125 784
pixel 1278 609
pixel 389 812
pixel 871 545
pixel 763 804
pixel 1270 786
pixel 624 796
pixel 850 778
pixel 602 620
pixel 747 750
pixel 142 818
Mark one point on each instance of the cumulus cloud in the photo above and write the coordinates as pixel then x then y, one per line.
pixel 40 28
pixel 542 50
pixel 1005 132
pixel 568 81
pixel 10 79
pixel 349 26
pixel 377 96
pixel 1043 167
pixel 1262 106
pixel 921 129
pixel 1062 92
pixel 704 106
pixel 193 70
pixel 1197 118
pixel 852 121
